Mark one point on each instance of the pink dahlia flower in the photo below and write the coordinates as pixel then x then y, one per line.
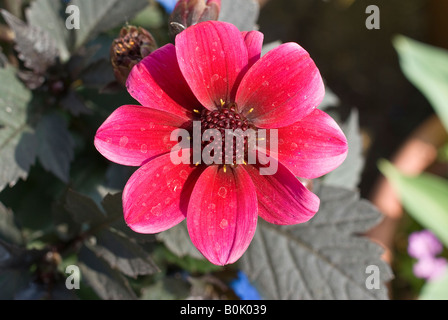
pixel 214 74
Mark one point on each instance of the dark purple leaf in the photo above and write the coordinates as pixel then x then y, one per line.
pixel 36 48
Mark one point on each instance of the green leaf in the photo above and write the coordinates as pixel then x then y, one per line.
pixel 82 208
pixel 9 231
pixel 113 206
pixel 36 47
pixel 443 153
pixel 12 256
pixel 49 16
pixel 108 283
pixel 178 241
pixel 424 198
pixel 55 146
pixel 166 289
pixel 324 258
pixel 17 141
pixel 435 289
pixel 94 17
pixel 348 174
pixel 12 282
pixel 123 254
pixel 74 104
pixel 427 68
pixel 102 15
pixel 98 74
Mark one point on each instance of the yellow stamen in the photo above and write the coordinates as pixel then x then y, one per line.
pixel 252 109
pixel 196 110
pixel 197 163
pixel 225 169
pixel 222 103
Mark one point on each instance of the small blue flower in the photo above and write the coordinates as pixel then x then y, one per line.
pixel 243 289
pixel 168 4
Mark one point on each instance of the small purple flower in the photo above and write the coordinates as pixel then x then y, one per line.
pixel 430 268
pixel 424 244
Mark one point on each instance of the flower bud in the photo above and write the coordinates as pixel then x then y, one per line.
pixel 189 12
pixel 133 44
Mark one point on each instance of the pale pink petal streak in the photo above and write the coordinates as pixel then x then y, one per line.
pixel 222 214
pixel 281 88
pixel 213 58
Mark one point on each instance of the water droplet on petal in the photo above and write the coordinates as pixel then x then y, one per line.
pixel 222 192
pixel 212 207
pixel 124 141
pixel 157 210
pixel 144 148
pixel 215 77
pixel 294 146
pixel 175 185
pixel 183 174
pixel 224 224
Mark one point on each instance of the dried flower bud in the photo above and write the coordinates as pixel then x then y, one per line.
pixel 133 44
pixel 189 12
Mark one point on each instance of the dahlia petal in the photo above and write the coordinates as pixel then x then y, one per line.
pixel 133 134
pixel 282 198
pixel 312 146
pixel 156 196
pixel 213 58
pixel 254 44
pixel 157 82
pixel 280 88
pixel 222 214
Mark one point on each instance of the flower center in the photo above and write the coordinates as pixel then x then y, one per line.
pixel 232 126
